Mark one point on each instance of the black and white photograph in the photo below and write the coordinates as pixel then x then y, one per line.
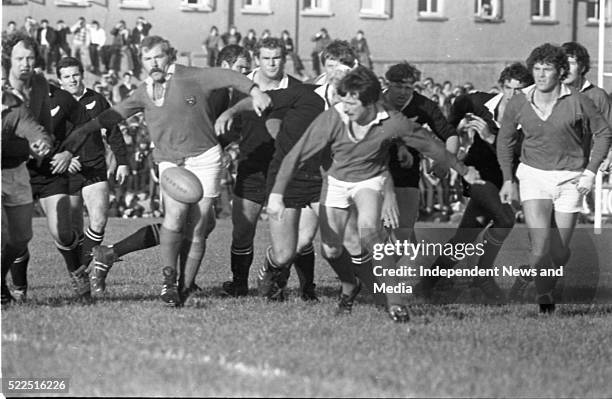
pixel 306 198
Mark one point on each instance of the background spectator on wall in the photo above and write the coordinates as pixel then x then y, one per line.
pixel 30 27
pixel 212 46
pixel 80 41
pixel 250 41
pixel 231 37
pixel 360 45
pixel 62 48
pixel 97 40
pixel 11 27
pixel 121 58
pixel 46 38
pixel 321 39
pixel 298 67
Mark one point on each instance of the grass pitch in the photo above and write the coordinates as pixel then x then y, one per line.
pixel 129 344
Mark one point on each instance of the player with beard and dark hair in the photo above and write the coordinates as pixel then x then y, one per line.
pixel 179 120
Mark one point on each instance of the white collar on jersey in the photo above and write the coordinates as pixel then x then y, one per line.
pixel 283 84
pixel 381 114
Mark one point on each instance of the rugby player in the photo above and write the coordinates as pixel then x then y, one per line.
pixel 555 170
pixel 88 185
pixel 175 102
pixel 358 131
pixel 56 111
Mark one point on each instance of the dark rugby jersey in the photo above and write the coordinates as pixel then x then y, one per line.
pixel 257 146
pixel 481 154
pixel 297 107
pixel 65 113
pixel 426 112
pixel 93 151
pixel 19 129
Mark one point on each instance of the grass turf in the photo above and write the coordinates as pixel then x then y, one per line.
pixel 129 344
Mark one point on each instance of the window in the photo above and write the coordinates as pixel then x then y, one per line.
pixel 542 10
pixel 592 12
pixel 375 9
pixel 14 2
pixel 316 7
pixel 488 9
pixel 198 5
pixel 431 8
pixel 256 7
pixel 72 3
pixel 135 4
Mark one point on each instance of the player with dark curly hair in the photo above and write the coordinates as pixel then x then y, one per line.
pixel 556 167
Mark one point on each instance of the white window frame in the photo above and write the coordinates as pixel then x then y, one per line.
pixel 199 5
pixel 540 16
pixel 323 9
pixel 72 3
pixel 379 9
pixel 595 19
pixel 428 13
pixel 135 4
pixel 496 10
pixel 256 7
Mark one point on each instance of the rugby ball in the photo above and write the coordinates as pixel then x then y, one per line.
pixel 181 185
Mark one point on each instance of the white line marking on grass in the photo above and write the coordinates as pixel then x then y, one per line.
pixel 220 361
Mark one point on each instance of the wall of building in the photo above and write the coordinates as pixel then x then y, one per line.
pixel 457 48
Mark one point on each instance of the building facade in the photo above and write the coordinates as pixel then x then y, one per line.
pixel 456 40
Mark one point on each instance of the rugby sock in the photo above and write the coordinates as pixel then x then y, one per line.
pixel 9 255
pixel 270 263
pixel 19 265
pixel 71 253
pixel 197 249
pixel 145 237
pixel 241 260
pixel 170 243
pixel 362 267
pixel 304 264
pixel 342 267
pixel 91 239
pixel 544 285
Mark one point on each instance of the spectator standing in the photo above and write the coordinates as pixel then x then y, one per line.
pixel 46 37
pixel 321 40
pixel 120 48
pixel 250 41
pixel 11 27
pixel 61 41
pixel 142 29
pixel 30 27
pixel 80 40
pixel 298 67
pixel 212 46
pixel 231 37
pixel 97 40
pixel 360 45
